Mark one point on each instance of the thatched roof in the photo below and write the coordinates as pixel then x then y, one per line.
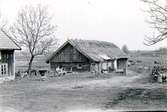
pixel 6 43
pixel 94 50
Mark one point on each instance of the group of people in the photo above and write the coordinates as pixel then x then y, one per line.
pixel 159 74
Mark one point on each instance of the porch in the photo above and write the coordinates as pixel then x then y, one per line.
pixel 7 65
pixel 108 66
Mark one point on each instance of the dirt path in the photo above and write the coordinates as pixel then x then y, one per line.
pixel 117 81
pixel 63 95
pixel 92 94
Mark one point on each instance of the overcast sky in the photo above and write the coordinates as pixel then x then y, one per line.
pixel 118 21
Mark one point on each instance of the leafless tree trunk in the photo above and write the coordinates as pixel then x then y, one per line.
pixel 157 10
pixel 30 64
pixel 34 32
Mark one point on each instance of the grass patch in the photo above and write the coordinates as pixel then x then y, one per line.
pixel 144 96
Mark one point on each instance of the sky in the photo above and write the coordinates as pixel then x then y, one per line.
pixel 122 22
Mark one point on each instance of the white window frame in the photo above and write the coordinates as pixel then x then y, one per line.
pixel 4 69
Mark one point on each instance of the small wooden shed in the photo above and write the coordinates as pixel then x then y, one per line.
pixel 88 55
pixel 7 57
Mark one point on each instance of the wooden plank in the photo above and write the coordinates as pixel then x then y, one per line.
pixel 69 54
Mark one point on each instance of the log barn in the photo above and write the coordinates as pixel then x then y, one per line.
pixel 88 55
pixel 7 56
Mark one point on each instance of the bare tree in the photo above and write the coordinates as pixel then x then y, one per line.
pixel 157 10
pixel 34 32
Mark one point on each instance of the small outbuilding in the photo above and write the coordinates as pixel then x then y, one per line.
pixel 7 56
pixel 88 55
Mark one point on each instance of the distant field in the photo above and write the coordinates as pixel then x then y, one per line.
pixel 145 60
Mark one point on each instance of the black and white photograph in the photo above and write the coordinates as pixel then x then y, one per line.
pixel 83 55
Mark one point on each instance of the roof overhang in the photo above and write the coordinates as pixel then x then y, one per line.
pixel 15 47
pixel 10 48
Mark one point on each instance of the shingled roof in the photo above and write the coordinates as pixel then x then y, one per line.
pixel 6 42
pixel 95 50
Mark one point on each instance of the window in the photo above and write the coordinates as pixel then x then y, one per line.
pixel 3 69
pixel 4 57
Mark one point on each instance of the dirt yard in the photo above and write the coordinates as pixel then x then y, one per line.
pixel 83 93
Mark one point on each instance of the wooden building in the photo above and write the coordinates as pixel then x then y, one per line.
pixel 7 57
pixel 88 55
pixel 38 64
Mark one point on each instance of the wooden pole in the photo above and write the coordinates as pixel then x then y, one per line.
pixel 115 64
